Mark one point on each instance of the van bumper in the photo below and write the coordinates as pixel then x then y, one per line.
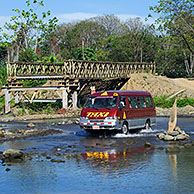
pixel 112 124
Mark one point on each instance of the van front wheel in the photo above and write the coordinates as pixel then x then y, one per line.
pixel 147 125
pixel 125 129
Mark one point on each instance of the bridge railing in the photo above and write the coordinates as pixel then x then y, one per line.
pixel 76 69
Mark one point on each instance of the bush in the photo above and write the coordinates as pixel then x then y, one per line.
pixel 163 103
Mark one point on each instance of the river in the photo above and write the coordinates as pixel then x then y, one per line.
pixel 77 162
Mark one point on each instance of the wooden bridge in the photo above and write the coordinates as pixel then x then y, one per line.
pixel 69 78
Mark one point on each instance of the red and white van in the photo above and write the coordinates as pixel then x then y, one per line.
pixel 118 110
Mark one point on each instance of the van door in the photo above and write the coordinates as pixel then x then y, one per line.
pixel 132 114
pixel 123 108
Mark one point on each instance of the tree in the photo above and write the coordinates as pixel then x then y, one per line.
pixel 135 42
pixel 89 54
pixel 29 30
pixel 3 51
pixel 111 24
pixel 177 19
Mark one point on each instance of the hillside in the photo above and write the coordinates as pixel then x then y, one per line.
pixel 159 85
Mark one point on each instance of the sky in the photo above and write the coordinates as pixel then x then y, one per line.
pixel 76 10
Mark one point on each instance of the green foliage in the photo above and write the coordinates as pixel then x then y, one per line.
pixel 33 83
pixel 2 103
pixel 53 59
pixel 176 20
pixel 163 103
pixel 28 55
pixel 39 107
pixel 28 28
pixel 3 51
pixel 3 75
pixel 89 54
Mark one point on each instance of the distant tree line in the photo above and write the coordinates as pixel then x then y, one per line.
pixel 169 42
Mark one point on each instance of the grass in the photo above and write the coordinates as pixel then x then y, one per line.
pixel 163 103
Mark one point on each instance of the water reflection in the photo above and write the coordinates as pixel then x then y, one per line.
pixel 112 161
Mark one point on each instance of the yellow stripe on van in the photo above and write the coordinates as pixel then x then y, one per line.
pixel 124 115
pixel 104 94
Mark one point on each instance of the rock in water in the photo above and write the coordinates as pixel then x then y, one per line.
pixel 168 138
pixel 161 136
pixel 173 133
pixel 30 125
pixel 147 145
pixel 173 118
pixel 13 154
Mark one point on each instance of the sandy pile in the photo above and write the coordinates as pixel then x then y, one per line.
pixel 159 85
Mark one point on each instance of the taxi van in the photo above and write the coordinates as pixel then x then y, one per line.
pixel 118 110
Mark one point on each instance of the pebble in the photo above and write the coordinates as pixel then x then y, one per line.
pixel 147 145
pixel 7 169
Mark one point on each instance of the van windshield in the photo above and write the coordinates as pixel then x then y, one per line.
pixel 97 102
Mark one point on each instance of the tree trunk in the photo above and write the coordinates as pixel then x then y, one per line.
pixel 189 63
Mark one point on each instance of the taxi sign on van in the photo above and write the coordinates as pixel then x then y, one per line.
pixel 97 114
pixel 104 94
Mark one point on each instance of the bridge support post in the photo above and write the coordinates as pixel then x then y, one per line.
pixel 16 98
pixel 7 101
pixel 74 100
pixel 64 99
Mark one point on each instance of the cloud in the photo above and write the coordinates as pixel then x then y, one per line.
pixel 71 17
pixel 74 17
pixel 4 19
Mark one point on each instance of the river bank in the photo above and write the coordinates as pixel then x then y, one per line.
pixel 187 111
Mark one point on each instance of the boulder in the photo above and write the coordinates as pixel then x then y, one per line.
pixel 13 154
pixel 181 137
pixel 168 138
pixel 161 136
pixel 173 133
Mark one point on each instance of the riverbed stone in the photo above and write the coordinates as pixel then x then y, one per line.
pixel 7 169
pixel 2 132
pixel 57 160
pixel 180 137
pixel 168 138
pixel 161 136
pixel 173 133
pixel 31 125
pixel 147 145
pixel 13 155
pixel 69 122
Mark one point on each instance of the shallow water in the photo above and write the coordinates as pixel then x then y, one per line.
pixel 115 164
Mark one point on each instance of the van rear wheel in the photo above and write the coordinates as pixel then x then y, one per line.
pixel 125 129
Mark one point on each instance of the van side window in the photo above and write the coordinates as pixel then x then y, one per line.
pixel 149 102
pixel 133 102
pixel 122 101
pixel 141 102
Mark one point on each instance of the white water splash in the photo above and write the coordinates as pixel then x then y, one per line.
pixel 142 133
pixel 121 135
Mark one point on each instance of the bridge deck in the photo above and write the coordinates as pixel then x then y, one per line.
pixel 75 69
